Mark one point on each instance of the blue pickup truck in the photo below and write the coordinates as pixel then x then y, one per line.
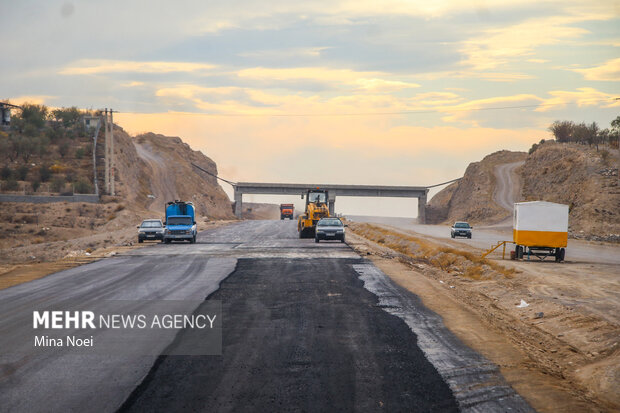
pixel 180 222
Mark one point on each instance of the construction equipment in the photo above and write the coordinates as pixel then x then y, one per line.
pixel 286 211
pixel 316 208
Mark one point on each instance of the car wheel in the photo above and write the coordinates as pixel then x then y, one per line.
pixel 469 236
pixel 342 240
pixel 316 240
pixel 451 235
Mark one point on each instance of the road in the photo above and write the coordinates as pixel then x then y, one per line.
pixel 306 327
pixel 507 185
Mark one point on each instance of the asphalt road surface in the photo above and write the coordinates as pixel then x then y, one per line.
pixel 486 237
pixel 306 327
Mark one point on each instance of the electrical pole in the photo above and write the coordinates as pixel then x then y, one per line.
pixel 112 163
pixel 106 157
pixel 109 152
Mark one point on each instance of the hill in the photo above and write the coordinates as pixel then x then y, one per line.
pixel 573 174
pixel 51 157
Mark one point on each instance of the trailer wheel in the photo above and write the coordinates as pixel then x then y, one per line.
pixel 519 252
pixel 559 254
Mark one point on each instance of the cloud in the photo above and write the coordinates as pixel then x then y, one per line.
pixel 608 71
pixel 496 46
pixel 582 97
pixel 97 66
pixel 464 112
pixel 34 99
pixel 384 86
pixel 133 84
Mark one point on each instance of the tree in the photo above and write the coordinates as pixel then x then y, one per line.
pixel 35 185
pixel 63 148
pixel 5 172
pixel 67 116
pixel 562 130
pixel 45 172
pixel 614 133
pixel 580 133
pixel 27 146
pixel 58 184
pixel 11 185
pixel 593 134
pixel 34 115
pixel 22 172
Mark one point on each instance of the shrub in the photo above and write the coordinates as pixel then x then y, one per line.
pixel 55 134
pixel 11 185
pixel 82 186
pixel 63 148
pixel 79 153
pixel 5 172
pixel 58 184
pixel 44 172
pixel 35 185
pixel 22 172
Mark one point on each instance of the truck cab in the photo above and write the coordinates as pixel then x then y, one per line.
pixel 286 211
pixel 180 222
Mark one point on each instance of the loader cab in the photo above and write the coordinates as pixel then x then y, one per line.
pixel 317 196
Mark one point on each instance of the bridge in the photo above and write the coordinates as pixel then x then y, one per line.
pixel 419 192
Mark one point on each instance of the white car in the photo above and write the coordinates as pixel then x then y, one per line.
pixel 329 228
pixel 151 229
pixel 460 229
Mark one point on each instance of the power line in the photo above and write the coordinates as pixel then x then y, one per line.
pixel 443 183
pixel 214 175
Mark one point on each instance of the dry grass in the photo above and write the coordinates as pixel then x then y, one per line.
pixel 448 259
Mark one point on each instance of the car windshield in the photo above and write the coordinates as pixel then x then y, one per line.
pixel 330 223
pixel 151 224
pixel 461 225
pixel 179 221
pixel 317 197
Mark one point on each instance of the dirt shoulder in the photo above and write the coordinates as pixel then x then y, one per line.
pixel 565 359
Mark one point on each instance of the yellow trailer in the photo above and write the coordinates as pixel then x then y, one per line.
pixel 541 229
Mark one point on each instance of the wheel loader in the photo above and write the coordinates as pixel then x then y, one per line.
pixel 316 208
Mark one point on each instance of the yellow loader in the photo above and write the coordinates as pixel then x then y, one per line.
pixel 316 208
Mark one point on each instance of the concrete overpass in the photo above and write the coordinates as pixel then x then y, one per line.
pixel 419 192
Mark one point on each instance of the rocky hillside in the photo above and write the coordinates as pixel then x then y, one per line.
pixel 572 174
pixel 157 169
pixel 471 198
pixel 581 177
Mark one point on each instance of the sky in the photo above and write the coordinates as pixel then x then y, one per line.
pixel 355 92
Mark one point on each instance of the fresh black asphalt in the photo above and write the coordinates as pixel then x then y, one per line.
pixel 299 335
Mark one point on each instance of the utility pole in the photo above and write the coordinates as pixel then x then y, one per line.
pixel 112 163
pixel 106 157
pixel 109 151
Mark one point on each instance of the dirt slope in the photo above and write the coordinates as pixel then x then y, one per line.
pixel 474 197
pixel 150 170
pixel 171 176
pixel 581 177
pixel 571 174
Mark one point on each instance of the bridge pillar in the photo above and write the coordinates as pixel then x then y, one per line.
pixel 331 202
pixel 238 203
pixel 422 208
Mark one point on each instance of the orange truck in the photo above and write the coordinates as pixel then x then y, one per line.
pixel 286 211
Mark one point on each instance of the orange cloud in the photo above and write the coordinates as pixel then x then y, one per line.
pixel 96 66
pixel 608 71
